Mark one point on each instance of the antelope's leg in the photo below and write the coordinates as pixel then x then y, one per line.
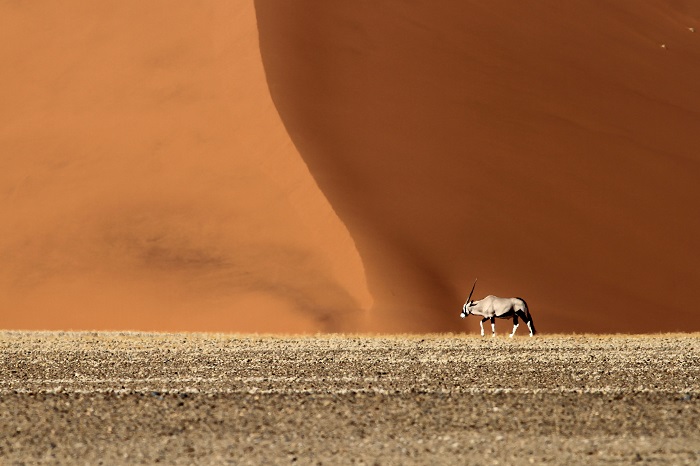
pixel 481 324
pixel 515 325
pixel 527 321
pixel 493 326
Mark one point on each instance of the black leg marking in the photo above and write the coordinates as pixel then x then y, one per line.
pixel 493 320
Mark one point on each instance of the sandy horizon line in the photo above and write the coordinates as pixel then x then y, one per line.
pixel 331 336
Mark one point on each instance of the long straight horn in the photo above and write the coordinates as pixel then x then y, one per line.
pixel 472 291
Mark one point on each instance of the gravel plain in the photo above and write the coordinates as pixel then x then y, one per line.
pixel 138 398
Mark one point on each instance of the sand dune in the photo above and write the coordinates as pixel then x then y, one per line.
pixel 147 181
pixel 160 165
pixel 550 150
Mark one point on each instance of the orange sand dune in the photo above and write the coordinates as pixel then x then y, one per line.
pixel 160 164
pixel 146 181
pixel 549 148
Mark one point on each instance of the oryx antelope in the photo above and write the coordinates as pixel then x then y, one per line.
pixel 493 307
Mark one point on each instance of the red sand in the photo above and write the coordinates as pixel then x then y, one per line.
pixel 549 149
pixel 147 180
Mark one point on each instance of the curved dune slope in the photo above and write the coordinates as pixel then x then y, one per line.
pixel 146 181
pixel 549 148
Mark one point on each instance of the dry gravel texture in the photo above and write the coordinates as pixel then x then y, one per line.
pixel 111 398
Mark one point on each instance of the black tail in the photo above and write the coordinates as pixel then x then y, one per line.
pixel 529 317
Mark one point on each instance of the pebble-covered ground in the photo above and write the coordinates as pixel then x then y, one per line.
pixel 127 398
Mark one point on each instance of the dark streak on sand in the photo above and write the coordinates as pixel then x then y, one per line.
pixel 194 398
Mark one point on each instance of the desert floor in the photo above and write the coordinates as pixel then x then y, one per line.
pixel 206 398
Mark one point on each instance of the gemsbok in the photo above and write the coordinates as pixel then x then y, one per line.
pixel 493 307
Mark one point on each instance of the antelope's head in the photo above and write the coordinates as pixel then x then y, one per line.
pixel 465 309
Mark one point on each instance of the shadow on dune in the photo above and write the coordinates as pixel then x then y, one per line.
pixel 549 149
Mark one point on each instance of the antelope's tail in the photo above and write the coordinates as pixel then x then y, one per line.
pixel 529 317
